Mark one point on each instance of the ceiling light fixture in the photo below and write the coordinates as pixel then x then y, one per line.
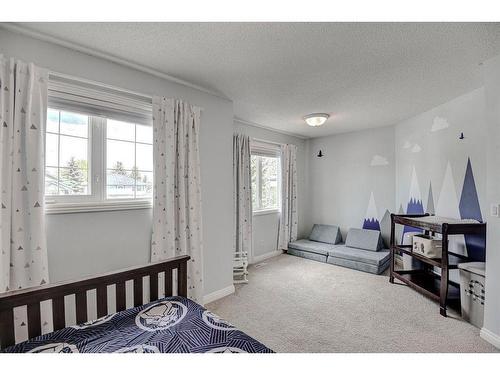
pixel 316 119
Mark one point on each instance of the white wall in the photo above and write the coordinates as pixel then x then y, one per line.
pixel 341 182
pixel 265 227
pixel 491 330
pixel 85 244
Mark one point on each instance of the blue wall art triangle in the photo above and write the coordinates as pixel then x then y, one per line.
pixel 371 223
pixel 371 216
pixel 470 209
pixel 415 205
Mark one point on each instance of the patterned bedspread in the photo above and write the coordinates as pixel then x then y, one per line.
pixel 170 325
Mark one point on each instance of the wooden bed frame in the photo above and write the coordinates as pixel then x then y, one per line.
pixel 31 297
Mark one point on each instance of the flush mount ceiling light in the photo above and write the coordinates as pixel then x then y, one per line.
pixel 316 119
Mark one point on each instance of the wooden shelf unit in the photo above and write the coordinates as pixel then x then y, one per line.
pixel 426 281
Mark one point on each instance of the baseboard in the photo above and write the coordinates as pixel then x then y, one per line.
pixel 265 256
pixel 491 337
pixel 218 294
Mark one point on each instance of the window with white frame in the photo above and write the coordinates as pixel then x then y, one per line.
pixel 265 170
pixel 99 149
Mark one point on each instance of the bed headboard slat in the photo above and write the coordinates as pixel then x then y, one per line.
pixel 138 290
pixel 34 320
pixel 102 301
pixel 32 297
pixel 168 282
pixel 58 314
pixel 81 306
pixel 153 286
pixel 120 296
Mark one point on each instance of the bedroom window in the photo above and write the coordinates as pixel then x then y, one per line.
pixel 77 148
pixel 265 167
pixel 99 149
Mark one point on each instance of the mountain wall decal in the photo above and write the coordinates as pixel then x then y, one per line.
pixel 470 209
pixel 371 223
pixel 371 216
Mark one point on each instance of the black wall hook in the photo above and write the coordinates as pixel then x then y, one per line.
pixel 320 154
pixel 461 136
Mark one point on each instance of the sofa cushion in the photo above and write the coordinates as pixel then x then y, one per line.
pixel 326 233
pixel 364 256
pixel 311 246
pixel 365 239
pixel 359 266
pixel 307 255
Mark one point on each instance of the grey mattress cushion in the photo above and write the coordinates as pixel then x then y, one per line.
pixel 358 255
pixel 307 255
pixel 326 233
pixel 365 239
pixel 311 246
pixel 360 266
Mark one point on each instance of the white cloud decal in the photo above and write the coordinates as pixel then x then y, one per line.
pixel 439 123
pixel 416 148
pixel 379 160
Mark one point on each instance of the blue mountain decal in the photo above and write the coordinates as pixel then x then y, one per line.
pixel 371 224
pixel 470 209
pixel 414 207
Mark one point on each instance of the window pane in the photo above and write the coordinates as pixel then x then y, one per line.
pixel 120 155
pixel 73 151
pixel 120 184
pixel 120 130
pixel 144 157
pixel 269 183
pixel 51 150
pixel 255 170
pixel 73 180
pixel 144 134
pixel 74 124
pixel 144 187
pixel 52 121
pixel 51 181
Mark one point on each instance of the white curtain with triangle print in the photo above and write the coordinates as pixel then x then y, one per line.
pixel 177 226
pixel 23 244
pixel 288 218
pixel 23 109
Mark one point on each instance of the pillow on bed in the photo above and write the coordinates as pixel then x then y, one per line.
pixel 365 239
pixel 326 233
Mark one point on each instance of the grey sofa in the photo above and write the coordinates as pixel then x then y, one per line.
pixel 322 239
pixel 363 249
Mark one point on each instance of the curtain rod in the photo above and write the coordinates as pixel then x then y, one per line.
pixel 147 98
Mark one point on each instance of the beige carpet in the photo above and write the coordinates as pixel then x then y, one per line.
pixel 297 305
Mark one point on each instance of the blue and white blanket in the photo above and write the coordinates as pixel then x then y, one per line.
pixel 170 325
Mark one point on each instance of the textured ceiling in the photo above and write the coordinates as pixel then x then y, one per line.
pixel 364 74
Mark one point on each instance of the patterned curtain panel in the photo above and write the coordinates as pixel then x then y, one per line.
pixel 242 180
pixel 23 243
pixel 23 109
pixel 288 220
pixel 177 226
